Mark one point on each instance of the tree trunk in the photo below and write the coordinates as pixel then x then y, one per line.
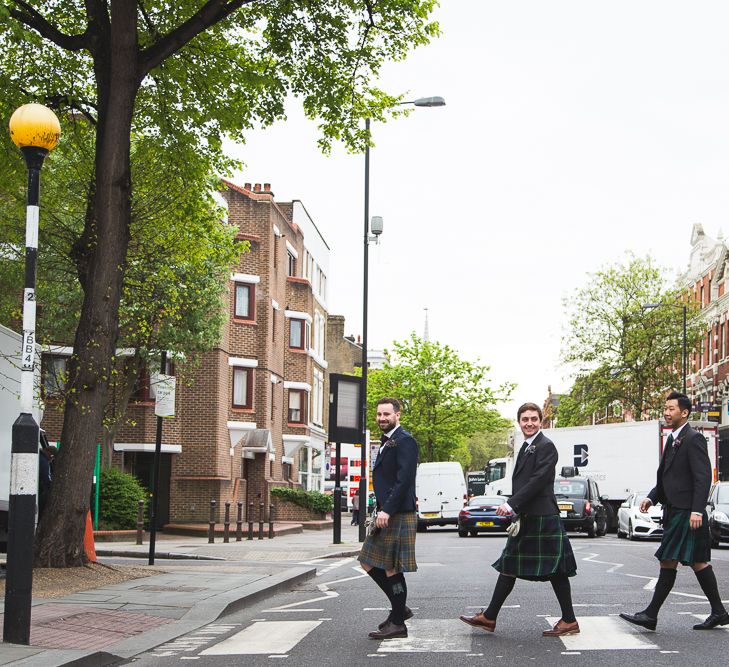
pixel 59 540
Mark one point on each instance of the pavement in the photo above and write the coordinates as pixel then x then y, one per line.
pixel 198 583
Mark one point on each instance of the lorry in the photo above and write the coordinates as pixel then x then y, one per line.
pixel 10 343
pixel 441 491
pixel 621 458
pixel 476 482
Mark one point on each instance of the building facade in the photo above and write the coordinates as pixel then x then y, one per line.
pixel 254 412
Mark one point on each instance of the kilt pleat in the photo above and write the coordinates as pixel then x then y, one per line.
pixel 540 550
pixel 681 543
pixel 393 548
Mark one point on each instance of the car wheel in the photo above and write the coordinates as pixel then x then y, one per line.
pixel 621 534
pixel 602 528
pixel 462 533
pixel 474 533
pixel 631 534
pixel 592 529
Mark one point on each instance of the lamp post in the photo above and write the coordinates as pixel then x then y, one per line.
pixel 684 355
pixel 35 130
pixel 420 102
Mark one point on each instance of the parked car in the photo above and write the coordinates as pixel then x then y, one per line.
pixel 580 505
pixel 634 524
pixel 480 516
pixel 718 511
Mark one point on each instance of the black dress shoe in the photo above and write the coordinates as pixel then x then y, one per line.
pixel 390 631
pixel 408 614
pixel 713 620
pixel 642 619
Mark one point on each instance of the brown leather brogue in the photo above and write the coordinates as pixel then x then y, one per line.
pixel 479 621
pixel 562 629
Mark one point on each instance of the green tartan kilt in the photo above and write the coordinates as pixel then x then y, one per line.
pixel 681 543
pixel 539 551
pixel 393 548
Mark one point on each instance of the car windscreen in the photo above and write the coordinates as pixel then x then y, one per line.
pixel 639 499
pixel 572 488
pixel 487 500
pixel 723 495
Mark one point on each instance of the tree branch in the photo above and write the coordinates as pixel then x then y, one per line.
pixel 34 20
pixel 212 12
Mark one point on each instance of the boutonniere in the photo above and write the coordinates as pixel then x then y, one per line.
pixel 531 449
pixel 677 443
pixel 390 443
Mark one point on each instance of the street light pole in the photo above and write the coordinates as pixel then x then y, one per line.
pixel 35 130
pixel 420 102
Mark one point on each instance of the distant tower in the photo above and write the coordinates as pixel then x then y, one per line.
pixel 426 335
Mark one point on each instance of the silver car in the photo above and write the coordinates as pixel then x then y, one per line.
pixel 634 524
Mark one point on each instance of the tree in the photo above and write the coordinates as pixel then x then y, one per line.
pixel 445 399
pixel 178 77
pixel 486 445
pixel 625 353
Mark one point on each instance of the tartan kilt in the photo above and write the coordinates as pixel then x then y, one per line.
pixel 539 551
pixel 393 548
pixel 681 543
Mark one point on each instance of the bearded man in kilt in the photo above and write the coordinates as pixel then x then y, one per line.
pixel 683 483
pixel 389 550
pixel 540 550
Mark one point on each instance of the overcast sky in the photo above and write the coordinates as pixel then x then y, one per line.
pixel 573 132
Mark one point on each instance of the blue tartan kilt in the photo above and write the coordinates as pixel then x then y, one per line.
pixel 540 550
pixel 681 543
pixel 393 548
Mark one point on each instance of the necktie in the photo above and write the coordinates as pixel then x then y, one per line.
pixel 524 445
pixel 384 439
pixel 669 441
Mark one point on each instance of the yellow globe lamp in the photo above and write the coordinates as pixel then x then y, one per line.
pixel 35 126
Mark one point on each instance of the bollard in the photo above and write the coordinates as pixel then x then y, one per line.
pixel 226 523
pixel 250 521
pixel 211 523
pixel 271 510
pixel 239 523
pixel 261 517
pixel 140 521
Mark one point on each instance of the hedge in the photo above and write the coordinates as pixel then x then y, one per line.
pixel 119 496
pixel 313 500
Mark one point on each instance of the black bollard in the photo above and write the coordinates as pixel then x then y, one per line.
pixel 226 523
pixel 271 510
pixel 239 523
pixel 211 523
pixel 140 521
pixel 250 521
pixel 261 519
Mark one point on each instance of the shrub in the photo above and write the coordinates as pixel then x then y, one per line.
pixel 119 495
pixel 313 500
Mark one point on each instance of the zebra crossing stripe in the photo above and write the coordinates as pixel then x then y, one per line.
pixel 604 633
pixel 431 635
pixel 264 638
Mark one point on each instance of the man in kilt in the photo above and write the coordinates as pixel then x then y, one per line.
pixel 389 551
pixel 683 483
pixel 540 550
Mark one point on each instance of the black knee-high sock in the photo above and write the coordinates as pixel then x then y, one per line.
pixel 561 585
pixel 666 579
pixel 707 581
pixel 379 576
pixel 399 597
pixel 504 586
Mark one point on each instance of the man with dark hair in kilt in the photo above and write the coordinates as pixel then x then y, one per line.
pixel 539 550
pixel 389 550
pixel 683 483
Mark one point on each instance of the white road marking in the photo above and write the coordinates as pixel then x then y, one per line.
pixel 264 638
pixel 193 641
pixel 326 596
pixel 506 606
pixel 601 633
pixel 592 559
pixel 431 635
pixel 669 651
pixel 651 580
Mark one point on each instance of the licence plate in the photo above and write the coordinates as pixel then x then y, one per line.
pixel 563 514
pixel 485 524
pixel 430 515
pixel 565 506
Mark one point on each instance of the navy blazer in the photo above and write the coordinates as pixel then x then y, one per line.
pixel 532 483
pixel 393 474
pixel 684 478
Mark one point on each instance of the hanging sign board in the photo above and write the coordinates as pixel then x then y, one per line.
pixel 164 394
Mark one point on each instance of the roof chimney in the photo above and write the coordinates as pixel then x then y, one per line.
pixel 257 187
pixel 246 186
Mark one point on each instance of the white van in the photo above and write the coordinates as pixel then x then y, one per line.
pixel 441 491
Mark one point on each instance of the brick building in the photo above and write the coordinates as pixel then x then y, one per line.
pixel 255 414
